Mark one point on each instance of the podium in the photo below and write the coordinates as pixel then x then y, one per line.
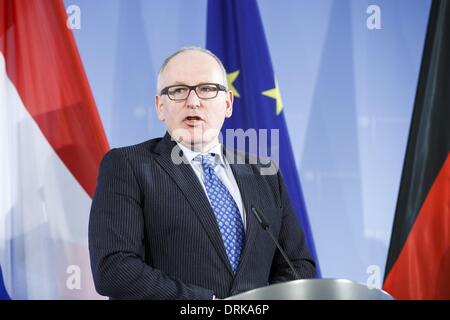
pixel 314 289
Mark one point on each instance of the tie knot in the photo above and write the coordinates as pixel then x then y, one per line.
pixel 207 160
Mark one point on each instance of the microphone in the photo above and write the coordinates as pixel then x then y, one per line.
pixel 262 220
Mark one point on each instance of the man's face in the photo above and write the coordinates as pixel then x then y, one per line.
pixel 194 121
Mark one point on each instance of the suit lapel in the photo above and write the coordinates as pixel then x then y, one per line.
pixel 184 176
pixel 245 178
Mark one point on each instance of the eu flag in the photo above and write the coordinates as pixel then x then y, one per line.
pixel 3 293
pixel 235 34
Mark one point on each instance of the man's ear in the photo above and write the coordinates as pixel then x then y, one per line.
pixel 229 104
pixel 159 108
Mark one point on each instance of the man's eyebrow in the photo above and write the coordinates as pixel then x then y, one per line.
pixel 175 83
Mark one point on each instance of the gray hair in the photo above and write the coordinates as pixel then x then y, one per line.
pixel 184 49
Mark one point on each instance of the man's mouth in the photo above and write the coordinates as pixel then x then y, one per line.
pixel 193 120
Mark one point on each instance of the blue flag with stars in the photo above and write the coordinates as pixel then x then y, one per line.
pixel 235 34
pixel 3 294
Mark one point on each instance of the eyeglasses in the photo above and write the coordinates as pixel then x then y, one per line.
pixel 204 91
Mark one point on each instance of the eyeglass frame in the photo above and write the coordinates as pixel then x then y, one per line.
pixel 165 91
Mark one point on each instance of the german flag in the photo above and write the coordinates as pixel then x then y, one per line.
pixel 418 264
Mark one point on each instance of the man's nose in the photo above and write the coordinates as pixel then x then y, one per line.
pixel 192 100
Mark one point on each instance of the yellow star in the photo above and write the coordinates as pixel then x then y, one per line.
pixel 230 79
pixel 275 94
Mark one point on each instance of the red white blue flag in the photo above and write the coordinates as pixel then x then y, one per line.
pixel 51 142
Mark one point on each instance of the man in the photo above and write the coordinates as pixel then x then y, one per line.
pixel 171 217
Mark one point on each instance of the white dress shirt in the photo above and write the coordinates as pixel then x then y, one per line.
pixel 222 170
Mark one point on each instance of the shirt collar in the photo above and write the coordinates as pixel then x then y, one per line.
pixel 191 154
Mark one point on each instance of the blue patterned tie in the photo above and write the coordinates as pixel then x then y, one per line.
pixel 226 211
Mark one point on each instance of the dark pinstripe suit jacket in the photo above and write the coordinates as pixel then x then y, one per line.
pixel 153 234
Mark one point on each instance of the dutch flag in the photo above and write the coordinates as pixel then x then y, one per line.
pixel 51 142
